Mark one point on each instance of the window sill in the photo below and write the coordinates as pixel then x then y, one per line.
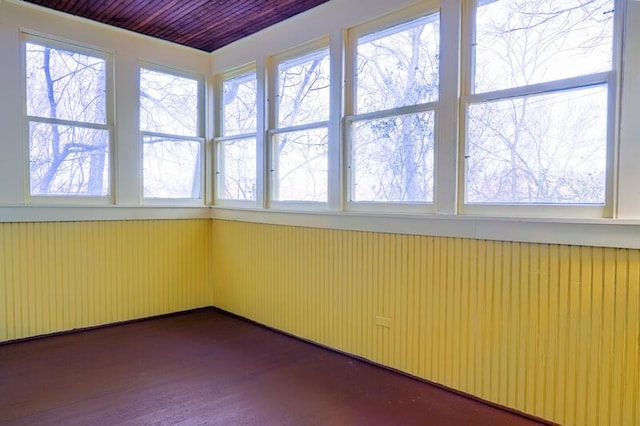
pixel 80 213
pixel 586 232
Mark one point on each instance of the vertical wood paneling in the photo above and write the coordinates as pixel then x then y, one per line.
pixel 546 329
pixel 630 414
pixel 61 276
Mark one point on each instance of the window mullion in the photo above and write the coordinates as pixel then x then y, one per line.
pixel 334 169
pixel 628 172
pixel 447 119
pixel 267 75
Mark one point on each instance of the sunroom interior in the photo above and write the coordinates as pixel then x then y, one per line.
pixel 444 188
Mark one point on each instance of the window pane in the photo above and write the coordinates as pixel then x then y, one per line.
pixel 239 109
pixel 301 165
pixel 398 66
pixel 68 160
pixel 237 169
pixel 303 90
pixel 65 85
pixel 522 42
pixel 168 104
pixel 393 159
pixel 540 149
pixel 171 168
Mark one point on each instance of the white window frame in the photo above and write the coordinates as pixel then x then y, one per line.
pixel 611 79
pixel 626 197
pixel 219 139
pixel 351 117
pixel 521 223
pixel 273 130
pixel 200 138
pixel 55 43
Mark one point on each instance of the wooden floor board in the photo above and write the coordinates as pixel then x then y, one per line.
pixel 207 367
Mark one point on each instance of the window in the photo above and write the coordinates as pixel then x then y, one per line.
pixel 509 108
pixel 299 137
pixel 68 118
pixel 171 128
pixel 539 109
pixel 392 128
pixel 236 148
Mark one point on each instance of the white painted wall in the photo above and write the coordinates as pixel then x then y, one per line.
pixel 326 19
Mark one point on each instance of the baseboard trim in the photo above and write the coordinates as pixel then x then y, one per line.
pixel 403 373
pixel 320 345
pixel 101 326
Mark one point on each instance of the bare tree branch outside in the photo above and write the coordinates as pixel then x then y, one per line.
pixel 170 125
pixel 541 148
pixel 236 169
pixel 68 134
pixel 392 157
pixel 300 157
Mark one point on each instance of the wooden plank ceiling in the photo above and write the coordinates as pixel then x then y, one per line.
pixel 202 24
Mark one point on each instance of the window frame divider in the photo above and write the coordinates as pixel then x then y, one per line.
pixel 298 128
pixel 393 112
pixel 144 133
pixel 70 123
pixel 584 81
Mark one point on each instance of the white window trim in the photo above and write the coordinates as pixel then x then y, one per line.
pixel 271 110
pixel 107 56
pixel 583 225
pixel 585 232
pixel 199 137
pixel 400 17
pixel 67 212
pixel 612 80
pixel 628 173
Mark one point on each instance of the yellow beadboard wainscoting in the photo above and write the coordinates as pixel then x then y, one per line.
pixel 549 330
pixel 58 276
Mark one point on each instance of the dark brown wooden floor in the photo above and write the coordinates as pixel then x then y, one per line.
pixel 206 367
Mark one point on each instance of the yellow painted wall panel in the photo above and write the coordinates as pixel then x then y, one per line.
pixel 547 329
pixel 61 276
pixel 551 330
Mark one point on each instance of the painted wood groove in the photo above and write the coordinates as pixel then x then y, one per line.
pixel 63 276
pixel 200 24
pixel 545 329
